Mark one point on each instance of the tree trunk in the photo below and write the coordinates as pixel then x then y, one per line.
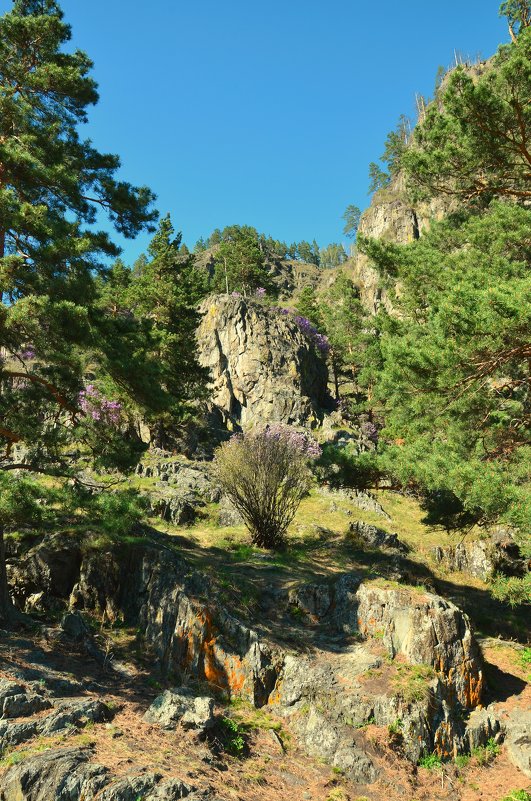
pixel 8 613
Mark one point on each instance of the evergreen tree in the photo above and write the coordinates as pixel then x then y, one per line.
pixel 332 256
pixel 518 13
pixel 344 319
pixel 308 253
pixel 475 142
pixel 240 266
pixel 378 178
pixel 164 297
pixel 455 379
pixel 52 186
pixel 308 306
pixel 352 217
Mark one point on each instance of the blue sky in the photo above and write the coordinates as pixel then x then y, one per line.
pixel 264 113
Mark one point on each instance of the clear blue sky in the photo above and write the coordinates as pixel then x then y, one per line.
pixel 264 113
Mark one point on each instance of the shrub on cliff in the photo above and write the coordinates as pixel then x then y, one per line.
pixel 266 475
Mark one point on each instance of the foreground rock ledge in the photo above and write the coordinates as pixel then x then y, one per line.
pixel 379 652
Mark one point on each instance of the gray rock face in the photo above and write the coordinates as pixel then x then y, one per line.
pixel 186 628
pixel 483 725
pixel 499 553
pixel 68 775
pixel 263 369
pixel 180 705
pixel 376 537
pixel 392 218
pixel 64 775
pixel 423 628
pixel 518 739
pixel 23 705
pixel 47 570
pixel 183 490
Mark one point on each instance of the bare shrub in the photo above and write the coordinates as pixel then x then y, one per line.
pixel 266 475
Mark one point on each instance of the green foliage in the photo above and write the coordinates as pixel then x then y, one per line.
pixel 352 217
pixel 395 147
pixel 395 728
pixel 443 508
pixel 345 467
pixel 461 761
pixel 240 265
pixel 430 762
pixel 332 256
pixel 486 754
pixel 525 658
pixel 49 250
pixel 116 512
pixel 24 501
pixel 378 178
pixel 474 142
pixel 453 382
pixel 308 306
pixel 518 13
pixel 412 682
pixel 232 735
pixel 517 795
pixel 513 590
pixel 155 308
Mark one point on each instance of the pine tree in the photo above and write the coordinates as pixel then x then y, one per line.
pixel 52 186
pixel 474 143
pixel 240 266
pixel 164 296
pixel 352 217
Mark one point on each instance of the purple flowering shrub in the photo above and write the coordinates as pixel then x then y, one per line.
pixel 299 440
pixel 261 292
pixel 28 354
pixel 265 474
pixel 320 341
pixel 370 431
pixel 95 406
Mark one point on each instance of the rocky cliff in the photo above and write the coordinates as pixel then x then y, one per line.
pixel 262 367
pixel 393 218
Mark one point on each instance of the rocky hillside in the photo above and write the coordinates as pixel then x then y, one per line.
pixel 189 666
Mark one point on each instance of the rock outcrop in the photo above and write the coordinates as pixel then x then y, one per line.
pixel 262 367
pixel 498 553
pixel 431 671
pixel 390 217
pixel 67 774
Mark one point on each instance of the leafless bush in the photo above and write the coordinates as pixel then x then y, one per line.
pixel 266 475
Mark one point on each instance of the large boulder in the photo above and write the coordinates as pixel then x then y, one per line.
pixel 518 739
pixel 181 706
pixel 262 367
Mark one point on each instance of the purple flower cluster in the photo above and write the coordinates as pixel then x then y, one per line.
pixel 297 439
pixel 28 354
pixel 308 329
pixel 370 431
pixel 261 292
pixel 236 294
pixel 94 405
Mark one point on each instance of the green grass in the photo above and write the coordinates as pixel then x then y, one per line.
pixel 411 682
pixel 517 795
pixel 486 754
pixel 430 762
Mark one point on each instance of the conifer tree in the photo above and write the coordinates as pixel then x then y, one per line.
pixel 53 184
